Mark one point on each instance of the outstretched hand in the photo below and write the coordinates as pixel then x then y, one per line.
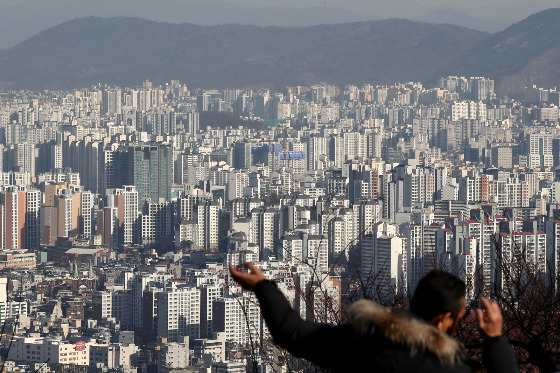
pixel 490 321
pixel 247 280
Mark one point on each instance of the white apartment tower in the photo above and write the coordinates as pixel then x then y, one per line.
pixel 539 146
pixel 87 201
pixel 179 311
pixel 124 205
pixel 209 216
pixel 239 317
pixel 317 152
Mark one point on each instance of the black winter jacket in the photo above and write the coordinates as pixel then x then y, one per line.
pixel 375 340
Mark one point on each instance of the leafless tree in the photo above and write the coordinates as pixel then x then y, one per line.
pixel 529 298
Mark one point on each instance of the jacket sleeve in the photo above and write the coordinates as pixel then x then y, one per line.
pixel 319 343
pixel 498 356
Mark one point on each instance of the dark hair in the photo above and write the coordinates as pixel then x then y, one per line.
pixel 438 292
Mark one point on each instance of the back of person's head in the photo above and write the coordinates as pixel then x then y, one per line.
pixel 438 292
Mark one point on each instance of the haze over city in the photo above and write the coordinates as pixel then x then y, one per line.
pixel 346 149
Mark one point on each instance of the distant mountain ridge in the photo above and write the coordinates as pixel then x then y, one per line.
pixel 26 18
pixel 526 53
pixel 458 18
pixel 126 51
pixel 21 19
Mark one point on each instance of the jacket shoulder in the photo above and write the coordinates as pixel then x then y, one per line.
pixel 401 329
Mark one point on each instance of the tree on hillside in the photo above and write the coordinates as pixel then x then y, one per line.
pixel 528 297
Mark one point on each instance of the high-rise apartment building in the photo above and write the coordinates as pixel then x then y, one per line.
pixel 157 221
pixel 468 110
pixel 121 223
pixel 13 205
pixel 237 316
pixel 33 221
pixel 384 260
pixel 317 152
pixel 148 167
pixel 179 312
pixel 242 156
pixel 539 146
pixel 111 102
pixel 482 89
pixel 20 218
pixel 209 216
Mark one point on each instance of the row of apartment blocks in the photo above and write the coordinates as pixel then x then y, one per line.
pixel 34 217
pixel 206 303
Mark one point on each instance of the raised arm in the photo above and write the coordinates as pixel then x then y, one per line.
pixel 498 355
pixel 318 343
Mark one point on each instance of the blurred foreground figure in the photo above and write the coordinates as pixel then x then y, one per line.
pixel 380 340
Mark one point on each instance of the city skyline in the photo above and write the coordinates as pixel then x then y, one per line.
pixel 121 208
pixel 151 150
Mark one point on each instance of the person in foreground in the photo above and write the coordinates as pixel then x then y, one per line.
pixel 381 340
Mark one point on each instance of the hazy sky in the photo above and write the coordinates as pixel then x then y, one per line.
pixel 523 7
pixel 513 10
pixel 21 19
pixel 469 4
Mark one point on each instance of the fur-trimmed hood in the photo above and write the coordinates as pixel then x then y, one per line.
pixel 368 317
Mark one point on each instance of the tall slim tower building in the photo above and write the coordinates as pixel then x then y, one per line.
pixel 539 146
pixel 317 152
pixel 33 221
pixel 86 217
pixel 192 123
pixel 13 210
pixel 121 223
pixel 208 217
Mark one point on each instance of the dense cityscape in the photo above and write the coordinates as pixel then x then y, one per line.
pixel 121 208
